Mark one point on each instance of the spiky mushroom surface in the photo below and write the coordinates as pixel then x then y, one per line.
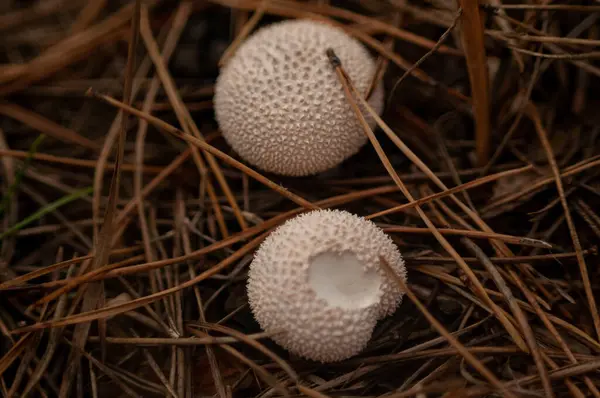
pixel 318 280
pixel 280 105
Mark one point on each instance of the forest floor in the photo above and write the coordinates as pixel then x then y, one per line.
pixel 123 259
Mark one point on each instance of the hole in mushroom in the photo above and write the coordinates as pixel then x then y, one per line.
pixel 342 281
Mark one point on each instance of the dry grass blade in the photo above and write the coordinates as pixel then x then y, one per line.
pixel 70 50
pixel 106 370
pixel 77 281
pixel 246 29
pixel 473 41
pixel 435 48
pixel 254 344
pixel 87 15
pixel 264 374
pixel 501 260
pixel 309 392
pixel 93 295
pixel 544 7
pixel 53 341
pixel 178 341
pixel 552 329
pixel 569 171
pixel 75 162
pixel 303 10
pixel 156 369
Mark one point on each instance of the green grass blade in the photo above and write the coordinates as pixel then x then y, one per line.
pixel 4 205
pixel 46 209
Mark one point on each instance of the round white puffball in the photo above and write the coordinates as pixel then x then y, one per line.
pixel 280 105
pixel 317 279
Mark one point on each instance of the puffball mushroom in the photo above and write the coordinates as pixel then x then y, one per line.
pixel 280 105
pixel 317 280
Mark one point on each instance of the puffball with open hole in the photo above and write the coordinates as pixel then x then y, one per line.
pixel 317 280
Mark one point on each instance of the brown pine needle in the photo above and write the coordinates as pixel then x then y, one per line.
pixel 520 316
pixel 464 352
pixel 111 311
pixel 246 29
pixel 473 234
pixel 476 284
pixel 205 147
pixel 140 289
pixel 541 132
pixel 183 115
pixel 149 169
pixel 451 191
pixel 44 125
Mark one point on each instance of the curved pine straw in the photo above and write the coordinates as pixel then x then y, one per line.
pixel 476 284
pixel 116 309
pixel 532 113
pixel 453 341
pixel 205 147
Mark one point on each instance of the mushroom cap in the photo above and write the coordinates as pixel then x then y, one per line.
pixel 280 105
pixel 317 279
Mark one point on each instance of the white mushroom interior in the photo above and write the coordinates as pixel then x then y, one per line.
pixel 343 281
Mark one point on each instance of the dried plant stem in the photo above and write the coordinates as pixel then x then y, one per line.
pixel 44 125
pixel 148 169
pixel 552 329
pixel 304 10
pixel 68 51
pixel 473 41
